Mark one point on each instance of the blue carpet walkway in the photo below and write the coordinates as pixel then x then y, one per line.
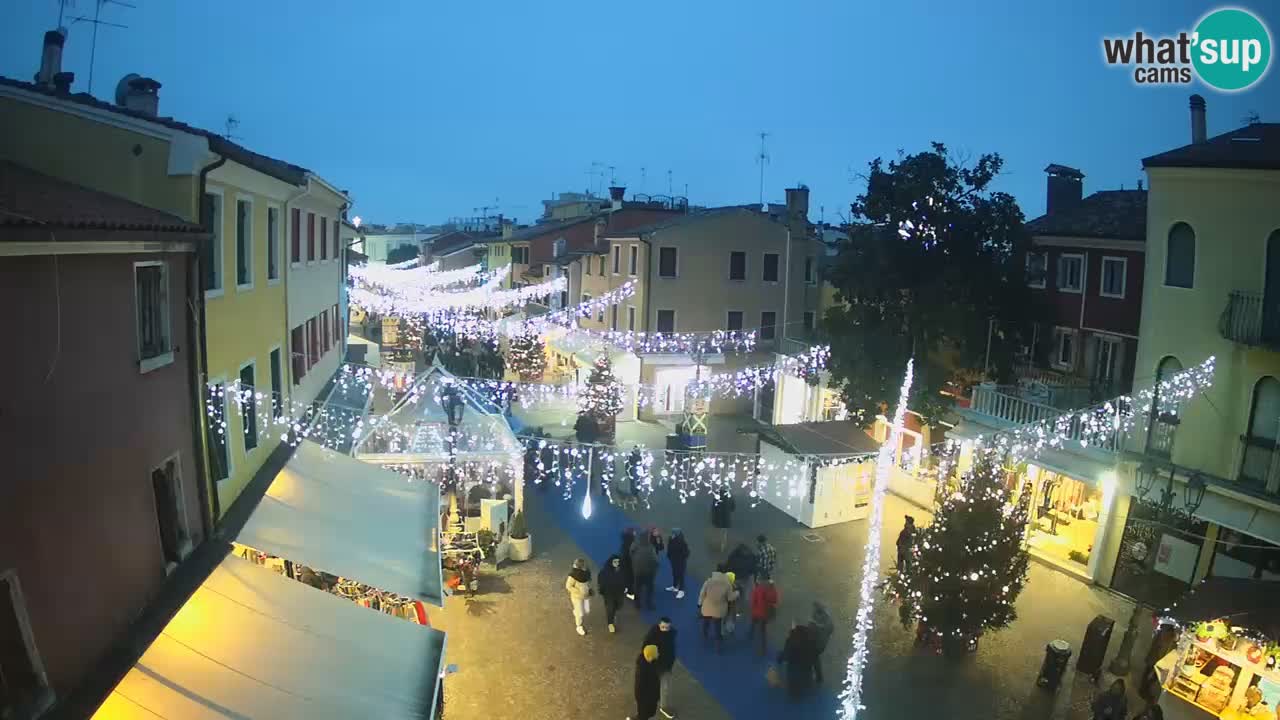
pixel 735 679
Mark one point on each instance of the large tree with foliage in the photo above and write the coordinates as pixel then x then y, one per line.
pixel 933 254
pixel 402 253
pixel 528 356
pixel 964 572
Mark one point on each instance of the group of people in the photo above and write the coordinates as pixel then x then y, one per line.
pixel 631 573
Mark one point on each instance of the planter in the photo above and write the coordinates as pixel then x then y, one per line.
pixel 521 548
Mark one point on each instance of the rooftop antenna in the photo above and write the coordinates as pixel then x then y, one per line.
pixel 763 159
pixel 96 21
pixel 643 178
pixel 670 192
pixel 613 176
pixel 232 124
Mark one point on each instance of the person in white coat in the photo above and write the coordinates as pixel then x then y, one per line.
pixel 579 586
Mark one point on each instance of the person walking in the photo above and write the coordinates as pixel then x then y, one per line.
pixel 644 567
pixel 906 539
pixel 655 539
pixel 766 558
pixel 823 626
pixel 628 573
pixel 648 686
pixel 612 587
pixel 678 555
pixel 713 604
pixel 579 586
pixel 798 657
pixel 722 507
pixel 663 636
pixel 764 607
pixel 1112 704
pixel 634 463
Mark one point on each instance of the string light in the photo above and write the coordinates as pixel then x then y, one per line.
pixel 851 695
pixel 716 342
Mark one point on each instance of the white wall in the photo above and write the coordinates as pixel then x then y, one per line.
pixel 316 286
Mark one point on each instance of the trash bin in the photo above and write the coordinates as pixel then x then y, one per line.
pixel 674 442
pixel 1094 648
pixel 1056 656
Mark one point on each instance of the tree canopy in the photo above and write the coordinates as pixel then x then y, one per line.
pixel 401 253
pixel 933 254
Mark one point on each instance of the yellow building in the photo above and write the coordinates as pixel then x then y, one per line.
pixel 255 207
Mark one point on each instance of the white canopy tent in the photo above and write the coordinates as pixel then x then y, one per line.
pixel 345 517
pixel 254 644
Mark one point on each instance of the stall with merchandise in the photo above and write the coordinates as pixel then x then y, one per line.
pixel 1225 662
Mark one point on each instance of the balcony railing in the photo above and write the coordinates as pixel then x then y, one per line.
pixel 1002 403
pixel 1248 321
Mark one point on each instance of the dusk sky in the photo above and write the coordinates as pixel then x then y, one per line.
pixel 426 111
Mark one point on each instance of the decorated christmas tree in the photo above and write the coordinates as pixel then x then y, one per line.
pixel 601 402
pixel 528 357
pixel 963 573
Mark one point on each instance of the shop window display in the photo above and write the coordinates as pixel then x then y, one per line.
pixel 1158 554
pixel 1064 519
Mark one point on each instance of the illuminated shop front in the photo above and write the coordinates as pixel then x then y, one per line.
pixel 1065 519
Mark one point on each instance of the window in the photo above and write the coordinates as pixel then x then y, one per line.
pixel 613 325
pixel 631 317
pixel 22 677
pixel 1106 365
pixel 211 258
pixel 633 259
pixel 166 488
pixel 557 248
pixel 151 293
pixel 324 238
pixel 770 273
pixel 1113 277
pixel 734 320
pixel 520 255
pixel 273 244
pixel 1037 269
pixel 1164 412
pixel 666 321
pixel 313 343
pixel 295 236
pixel 668 264
pixel 1264 432
pixel 810 274
pixel 601 266
pixel 298 353
pixel 737 265
pixel 311 237
pixel 808 320
pixel 1180 261
pixel 1064 343
pixel 277 387
pixel 244 244
pixel 1070 272
pixel 249 407
pixel 337 254
pixel 219 427
pixel 586 266
pixel 768 323
pixel 324 333
pixel 617 259
pixel 338 338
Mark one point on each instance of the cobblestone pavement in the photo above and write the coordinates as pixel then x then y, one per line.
pixel 518 651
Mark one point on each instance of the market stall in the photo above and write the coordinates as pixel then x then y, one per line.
pixel 1226 662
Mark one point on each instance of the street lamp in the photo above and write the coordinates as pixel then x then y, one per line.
pixel 1148 475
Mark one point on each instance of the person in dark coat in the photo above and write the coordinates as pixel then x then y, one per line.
pixel 905 539
pixel 628 573
pixel 798 657
pixel 823 626
pixel 678 554
pixel 742 563
pixel 644 568
pixel 1112 704
pixel 612 587
pixel 663 636
pixel 634 462
pixel 648 687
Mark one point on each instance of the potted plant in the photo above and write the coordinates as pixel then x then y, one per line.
pixel 521 543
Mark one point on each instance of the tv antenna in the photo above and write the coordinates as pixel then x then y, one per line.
pixel 643 177
pixel 670 192
pixel 96 21
pixel 232 124
pixel 613 175
pixel 762 159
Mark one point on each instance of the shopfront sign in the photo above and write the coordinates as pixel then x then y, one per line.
pixel 1176 558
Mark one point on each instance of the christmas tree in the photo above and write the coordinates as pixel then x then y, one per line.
pixel 528 357
pixel 602 400
pixel 963 573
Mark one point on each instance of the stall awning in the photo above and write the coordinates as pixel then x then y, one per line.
pixel 1242 602
pixel 254 644
pixel 346 517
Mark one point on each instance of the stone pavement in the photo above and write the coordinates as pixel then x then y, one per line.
pixel 518 651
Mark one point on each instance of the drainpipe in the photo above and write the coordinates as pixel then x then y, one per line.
pixel 209 504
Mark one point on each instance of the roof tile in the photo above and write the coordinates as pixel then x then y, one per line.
pixel 32 199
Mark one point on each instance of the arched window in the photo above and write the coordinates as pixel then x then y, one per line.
pixel 1264 431
pixel 1180 260
pixel 1164 411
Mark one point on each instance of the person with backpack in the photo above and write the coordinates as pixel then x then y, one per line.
pixel 764 607
pixel 678 555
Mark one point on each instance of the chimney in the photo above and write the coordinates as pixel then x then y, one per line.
pixel 1197 120
pixel 1065 188
pixel 62 82
pixel 507 228
pixel 798 202
pixel 143 96
pixel 616 194
pixel 51 57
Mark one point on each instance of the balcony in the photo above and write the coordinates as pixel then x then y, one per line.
pixel 1006 404
pixel 1249 320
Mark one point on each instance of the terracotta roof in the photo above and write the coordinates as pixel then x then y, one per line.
pixel 288 172
pixel 457 240
pixel 1253 147
pixel 684 219
pixel 32 199
pixel 536 231
pixel 1109 214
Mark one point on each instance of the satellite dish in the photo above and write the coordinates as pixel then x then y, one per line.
pixel 122 87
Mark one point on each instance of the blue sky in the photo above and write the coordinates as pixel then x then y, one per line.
pixel 430 110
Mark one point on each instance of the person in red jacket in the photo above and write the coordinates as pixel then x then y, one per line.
pixel 764 607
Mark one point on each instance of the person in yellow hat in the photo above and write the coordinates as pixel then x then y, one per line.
pixel 648 683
